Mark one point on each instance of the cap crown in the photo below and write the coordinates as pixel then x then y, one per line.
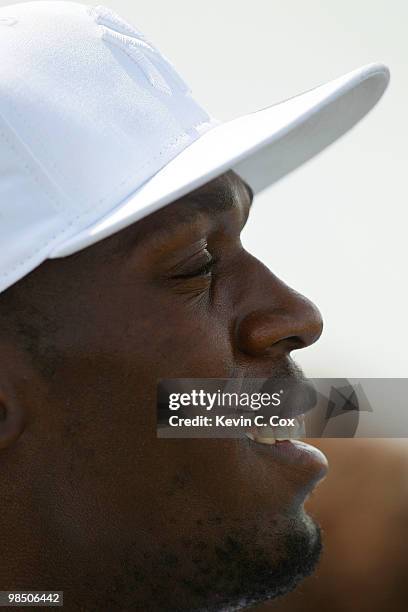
pixel 89 111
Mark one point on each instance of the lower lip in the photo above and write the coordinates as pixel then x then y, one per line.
pixel 296 453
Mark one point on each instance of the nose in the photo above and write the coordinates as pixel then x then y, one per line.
pixel 279 320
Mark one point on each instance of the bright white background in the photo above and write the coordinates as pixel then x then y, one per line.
pixel 336 229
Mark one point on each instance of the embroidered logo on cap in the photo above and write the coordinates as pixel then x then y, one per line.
pixel 157 69
pixel 8 21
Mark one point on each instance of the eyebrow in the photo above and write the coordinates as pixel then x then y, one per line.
pixel 221 195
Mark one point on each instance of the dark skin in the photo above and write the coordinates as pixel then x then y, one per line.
pixel 92 502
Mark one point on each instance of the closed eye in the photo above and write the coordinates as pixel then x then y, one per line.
pixel 204 270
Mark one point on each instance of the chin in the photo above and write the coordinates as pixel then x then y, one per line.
pixel 303 548
pixel 237 566
pixel 249 573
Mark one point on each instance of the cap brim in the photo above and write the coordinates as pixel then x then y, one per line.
pixel 261 147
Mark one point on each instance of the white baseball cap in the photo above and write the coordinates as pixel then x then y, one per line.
pixel 97 130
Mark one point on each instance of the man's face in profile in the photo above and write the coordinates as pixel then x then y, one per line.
pixel 130 521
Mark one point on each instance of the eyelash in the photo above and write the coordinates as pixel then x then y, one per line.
pixel 204 270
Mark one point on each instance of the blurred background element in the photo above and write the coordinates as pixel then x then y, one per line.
pixel 362 508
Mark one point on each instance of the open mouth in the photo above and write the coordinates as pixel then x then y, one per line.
pixel 270 434
pixel 283 444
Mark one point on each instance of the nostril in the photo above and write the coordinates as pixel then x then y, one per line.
pixel 293 343
pixel 255 333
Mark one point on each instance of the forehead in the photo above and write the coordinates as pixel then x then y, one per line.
pixel 227 193
pixel 226 199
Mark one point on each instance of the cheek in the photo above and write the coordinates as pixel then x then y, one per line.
pixel 175 340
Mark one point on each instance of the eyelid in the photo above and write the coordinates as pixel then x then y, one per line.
pixel 197 269
pixel 189 266
pixel 199 272
pixel 183 261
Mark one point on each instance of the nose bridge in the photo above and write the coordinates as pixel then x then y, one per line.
pixel 276 317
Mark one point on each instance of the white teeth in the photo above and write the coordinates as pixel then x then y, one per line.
pixel 270 435
pixel 256 438
pixel 284 433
